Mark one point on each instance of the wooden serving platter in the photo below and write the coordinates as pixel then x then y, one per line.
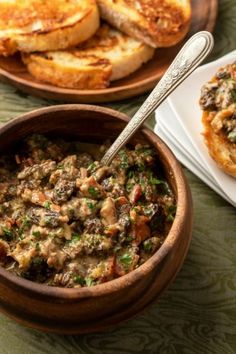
pixel 12 70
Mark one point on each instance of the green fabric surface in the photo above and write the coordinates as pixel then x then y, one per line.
pixel 197 314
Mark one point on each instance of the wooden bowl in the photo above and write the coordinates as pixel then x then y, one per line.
pixel 71 311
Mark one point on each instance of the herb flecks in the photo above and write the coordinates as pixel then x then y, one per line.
pixel 93 191
pixel 25 225
pixel 124 163
pixel 171 213
pixel 78 279
pixel 126 260
pixel 47 205
pixel 75 237
pixel 36 233
pixel 89 281
pixel 8 233
pixel 90 205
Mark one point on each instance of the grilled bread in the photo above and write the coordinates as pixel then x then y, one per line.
pixel 108 55
pixel 158 23
pixel 39 25
pixel 218 101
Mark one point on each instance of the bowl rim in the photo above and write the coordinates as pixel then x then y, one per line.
pixel 182 194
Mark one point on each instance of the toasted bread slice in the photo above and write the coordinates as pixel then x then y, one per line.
pixel 38 25
pixel 218 102
pixel 108 55
pixel 221 150
pixel 158 23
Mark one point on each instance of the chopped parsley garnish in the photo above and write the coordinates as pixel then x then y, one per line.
pixel 92 167
pixel 26 223
pixel 47 204
pixel 129 238
pixel 137 210
pixel 145 151
pixel 124 164
pixel 75 237
pixel 48 220
pixel 79 280
pixel 131 174
pixel 129 186
pixel 37 247
pixel 154 180
pixel 126 259
pixel 90 205
pixel 36 233
pixel 60 166
pixel 117 248
pixel 8 233
pixel 141 167
pixel 93 192
pixel 171 213
pixel 142 183
pixel 89 281
pixel 147 246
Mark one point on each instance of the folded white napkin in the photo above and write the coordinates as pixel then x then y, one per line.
pixel 178 123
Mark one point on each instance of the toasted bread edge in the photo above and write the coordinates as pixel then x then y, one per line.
pixel 122 20
pixel 218 149
pixel 131 63
pixel 61 38
pixel 49 71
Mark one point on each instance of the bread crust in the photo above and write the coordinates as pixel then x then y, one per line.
pixel 159 23
pixel 94 76
pixel 107 56
pixel 44 32
pixel 222 151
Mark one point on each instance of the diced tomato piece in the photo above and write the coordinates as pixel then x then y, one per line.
pixel 135 194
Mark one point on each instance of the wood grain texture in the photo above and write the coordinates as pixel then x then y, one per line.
pixel 12 70
pixel 197 314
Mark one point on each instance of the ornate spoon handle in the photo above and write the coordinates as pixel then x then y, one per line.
pixel 190 56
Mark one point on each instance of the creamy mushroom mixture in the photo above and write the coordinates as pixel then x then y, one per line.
pixel 68 221
pixel 218 97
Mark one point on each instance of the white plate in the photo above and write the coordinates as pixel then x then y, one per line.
pixel 169 129
pixel 184 103
pixel 166 118
pixel 190 163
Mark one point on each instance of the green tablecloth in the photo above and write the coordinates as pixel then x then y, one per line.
pixel 197 314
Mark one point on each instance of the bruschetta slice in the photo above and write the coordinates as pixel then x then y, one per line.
pixel 38 25
pixel 107 56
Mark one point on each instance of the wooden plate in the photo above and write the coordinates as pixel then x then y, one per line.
pixel 12 70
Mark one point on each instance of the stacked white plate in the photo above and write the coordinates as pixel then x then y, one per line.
pixel 178 123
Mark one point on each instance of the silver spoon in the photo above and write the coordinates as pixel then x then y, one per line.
pixel 190 56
